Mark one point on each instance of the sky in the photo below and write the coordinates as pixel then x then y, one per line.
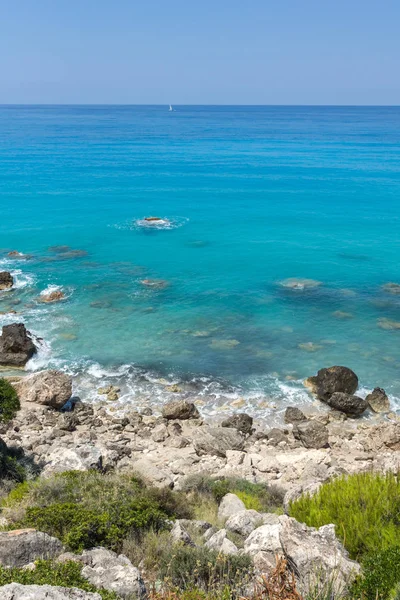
pixel 200 52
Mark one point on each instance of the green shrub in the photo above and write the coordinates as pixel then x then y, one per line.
pixel 364 507
pixel 186 568
pixel 47 572
pixel 10 468
pixel 380 578
pixel 9 402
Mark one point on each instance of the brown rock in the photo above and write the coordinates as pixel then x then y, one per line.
pixel 16 346
pixel 6 280
pixel 378 401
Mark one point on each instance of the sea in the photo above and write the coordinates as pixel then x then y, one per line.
pixel 279 232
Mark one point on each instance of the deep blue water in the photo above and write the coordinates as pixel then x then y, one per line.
pixel 255 195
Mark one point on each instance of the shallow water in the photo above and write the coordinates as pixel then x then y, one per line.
pixel 254 196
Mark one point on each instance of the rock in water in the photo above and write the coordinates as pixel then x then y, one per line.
pixel 312 434
pixel 23 546
pixel 378 401
pixel 347 403
pixel 17 591
pixel 6 280
pixel 331 380
pixel 16 346
pixel 54 296
pixel 180 409
pixel 241 421
pixel 49 388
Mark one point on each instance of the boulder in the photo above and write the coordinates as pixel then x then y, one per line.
pixel 331 380
pixel 350 405
pixel 152 473
pixel 83 458
pixel 230 505
pixel 17 591
pixel 244 522
pixel 16 346
pixel 240 421
pixel 113 572
pixel 378 401
pixel 23 546
pixel 317 556
pixel 217 440
pixel 275 436
pixel 294 415
pixel 265 539
pixel 53 296
pixel 6 280
pixel 220 543
pixel 179 535
pixel 49 388
pixel 312 434
pixel 180 409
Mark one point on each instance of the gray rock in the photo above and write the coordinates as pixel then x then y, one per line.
pixel 153 474
pixel 180 409
pixel 294 415
pixel 244 522
pixel 49 388
pixel 17 591
pixel 6 280
pixel 265 539
pixel 230 505
pixel 331 380
pixel 23 546
pixel 350 405
pixel 312 434
pixel 113 572
pixel 72 459
pixel 240 421
pixel 16 346
pixel 217 440
pixel 378 401
pixel 275 436
pixel 220 543
pixel 179 535
pixel 317 556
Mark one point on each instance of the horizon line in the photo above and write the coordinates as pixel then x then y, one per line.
pixel 49 104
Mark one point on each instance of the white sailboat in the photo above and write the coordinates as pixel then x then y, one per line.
pixel 170 108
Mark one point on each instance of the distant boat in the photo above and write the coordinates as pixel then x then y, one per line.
pixel 170 108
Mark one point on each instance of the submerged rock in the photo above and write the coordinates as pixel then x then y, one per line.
pixel 385 323
pixel 49 388
pixel 331 380
pixel 378 401
pixel 54 296
pixel 16 345
pixel 391 288
pixel 347 403
pixel 6 280
pixel 157 284
pixel 300 284
pixel 340 314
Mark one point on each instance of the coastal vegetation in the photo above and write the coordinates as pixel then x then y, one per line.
pixel 9 402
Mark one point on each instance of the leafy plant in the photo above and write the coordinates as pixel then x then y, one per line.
pixel 10 468
pixel 9 402
pixel 380 577
pixel 365 508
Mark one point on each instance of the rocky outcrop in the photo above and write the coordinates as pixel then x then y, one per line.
pixel 54 296
pixel 83 458
pixel 378 401
pixel 17 591
pixel 113 572
pixel 312 434
pixel 219 542
pixel 294 415
pixel 347 403
pixel 230 505
pixel 6 280
pixel 48 388
pixel 16 345
pixel 240 421
pixel 244 522
pixel 331 380
pixel 180 410
pixel 217 440
pixel 23 546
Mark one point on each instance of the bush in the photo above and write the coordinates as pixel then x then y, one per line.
pixel 364 507
pixel 9 402
pixel 85 509
pixel 380 578
pixel 47 572
pixel 10 468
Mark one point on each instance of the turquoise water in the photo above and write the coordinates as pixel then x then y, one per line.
pixel 255 195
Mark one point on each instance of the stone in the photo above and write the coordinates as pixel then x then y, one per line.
pixel 22 546
pixel 265 539
pixel 391 288
pixel 17 591
pixel 378 401
pixel 294 415
pixel 312 434
pixel 113 572
pixel 353 406
pixel 240 421
pixel 48 388
pixel 6 280
pixel 54 296
pixel 331 380
pixel 220 543
pixel 316 555
pixel 180 409
pixel 275 436
pixel 300 284
pixel 217 440
pixel 179 535
pixel 152 473
pixel 243 522
pixel 230 505
pixel 16 345
pixel 388 324
pixel 82 458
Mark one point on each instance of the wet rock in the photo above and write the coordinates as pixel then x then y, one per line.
pixel 23 546
pixel 54 296
pixel 378 401
pixel 391 288
pixel 180 409
pixel 155 284
pixel 16 345
pixel 113 572
pixel 388 324
pixel 217 440
pixel 347 403
pixel 331 380
pixel 312 434
pixel 48 388
pixel 17 591
pixel 18 255
pixel 6 280
pixel 111 391
pixel 300 284
pixel 240 421
pixel 294 415
pixel 230 505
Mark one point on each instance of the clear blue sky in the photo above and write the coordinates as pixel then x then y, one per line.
pixel 200 51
